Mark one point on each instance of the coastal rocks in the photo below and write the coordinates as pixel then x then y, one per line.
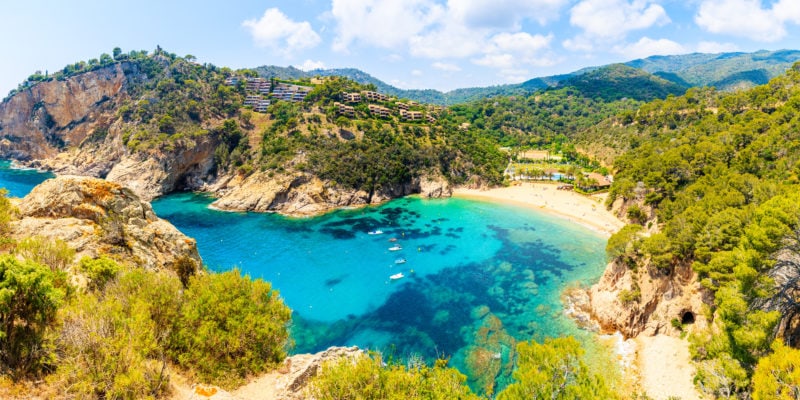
pixel 648 302
pixel 289 382
pixel 98 217
pixel 300 194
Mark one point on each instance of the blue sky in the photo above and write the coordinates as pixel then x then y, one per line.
pixel 441 44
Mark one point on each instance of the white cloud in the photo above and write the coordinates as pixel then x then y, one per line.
pixel 378 23
pixel 393 58
pixel 646 47
pixel 503 14
pixel 612 19
pixel 747 18
pixel 416 72
pixel 511 50
pixel 447 67
pixel 308 65
pixel 450 41
pixel 714 47
pixel 512 75
pixel 578 43
pixel 275 30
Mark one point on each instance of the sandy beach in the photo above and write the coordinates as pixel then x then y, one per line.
pixel 589 211
pixel 660 365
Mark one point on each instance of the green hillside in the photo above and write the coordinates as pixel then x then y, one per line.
pixel 721 172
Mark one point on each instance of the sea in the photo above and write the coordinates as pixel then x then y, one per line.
pixel 414 278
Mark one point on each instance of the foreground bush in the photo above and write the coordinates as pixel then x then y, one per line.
pixel 554 370
pixel 112 343
pixel 29 300
pixel 367 378
pixel 230 326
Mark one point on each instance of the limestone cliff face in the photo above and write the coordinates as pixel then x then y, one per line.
pixel 301 194
pixel 644 300
pixel 41 121
pixel 661 299
pixel 99 217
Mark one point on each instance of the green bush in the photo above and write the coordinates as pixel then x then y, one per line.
pixel 99 271
pixel 365 377
pixel 29 300
pixel 113 343
pixel 230 326
pixel 554 370
pixel 55 254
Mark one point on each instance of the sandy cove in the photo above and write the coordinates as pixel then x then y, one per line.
pixel 589 211
pixel 660 364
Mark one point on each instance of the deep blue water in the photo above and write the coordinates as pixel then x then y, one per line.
pixel 478 276
pixel 19 182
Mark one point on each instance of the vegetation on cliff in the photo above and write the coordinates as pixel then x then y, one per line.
pixel 721 173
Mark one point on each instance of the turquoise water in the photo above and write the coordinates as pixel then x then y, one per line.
pixel 477 278
pixel 19 182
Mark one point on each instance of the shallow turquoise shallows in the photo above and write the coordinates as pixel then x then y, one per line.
pixel 476 276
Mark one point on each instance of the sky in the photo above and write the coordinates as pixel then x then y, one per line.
pixel 439 44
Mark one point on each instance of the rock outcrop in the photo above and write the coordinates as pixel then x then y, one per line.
pixel 661 299
pixel 301 194
pixel 97 217
pixel 289 382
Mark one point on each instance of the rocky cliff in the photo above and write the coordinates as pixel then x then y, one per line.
pixel 300 194
pixel 78 126
pixel 96 217
pixel 641 299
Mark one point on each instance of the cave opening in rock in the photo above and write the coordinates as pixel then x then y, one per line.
pixel 687 317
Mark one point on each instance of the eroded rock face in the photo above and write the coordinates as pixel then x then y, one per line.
pixel 41 121
pixel 97 217
pixel 662 298
pixel 291 380
pixel 302 195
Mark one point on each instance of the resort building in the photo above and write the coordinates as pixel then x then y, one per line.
pixel 251 99
pixel 375 96
pixel 345 110
pixel 231 81
pixel 402 106
pixel 288 92
pixel 411 115
pixel 351 97
pixel 379 111
pixel 260 85
pixel 430 118
pixel 261 105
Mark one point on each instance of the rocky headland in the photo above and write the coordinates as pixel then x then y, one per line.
pixel 96 217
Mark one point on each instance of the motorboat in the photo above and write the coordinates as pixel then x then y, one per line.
pixel 377 232
pixel 400 261
pixel 393 240
pixel 397 276
pixel 395 248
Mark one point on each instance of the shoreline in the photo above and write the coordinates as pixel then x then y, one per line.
pixel 588 211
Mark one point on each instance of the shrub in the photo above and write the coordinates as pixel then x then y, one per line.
pixel 112 343
pixel 55 254
pixel 230 326
pixel 99 271
pixel 554 370
pixel 366 378
pixel 29 300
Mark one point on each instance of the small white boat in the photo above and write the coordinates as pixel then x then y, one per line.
pixel 393 240
pixel 400 261
pixel 397 276
pixel 395 248
pixel 378 232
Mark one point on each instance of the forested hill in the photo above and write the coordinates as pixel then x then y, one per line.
pixel 725 71
pixel 721 172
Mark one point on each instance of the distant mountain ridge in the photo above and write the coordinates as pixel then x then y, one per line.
pixel 725 71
